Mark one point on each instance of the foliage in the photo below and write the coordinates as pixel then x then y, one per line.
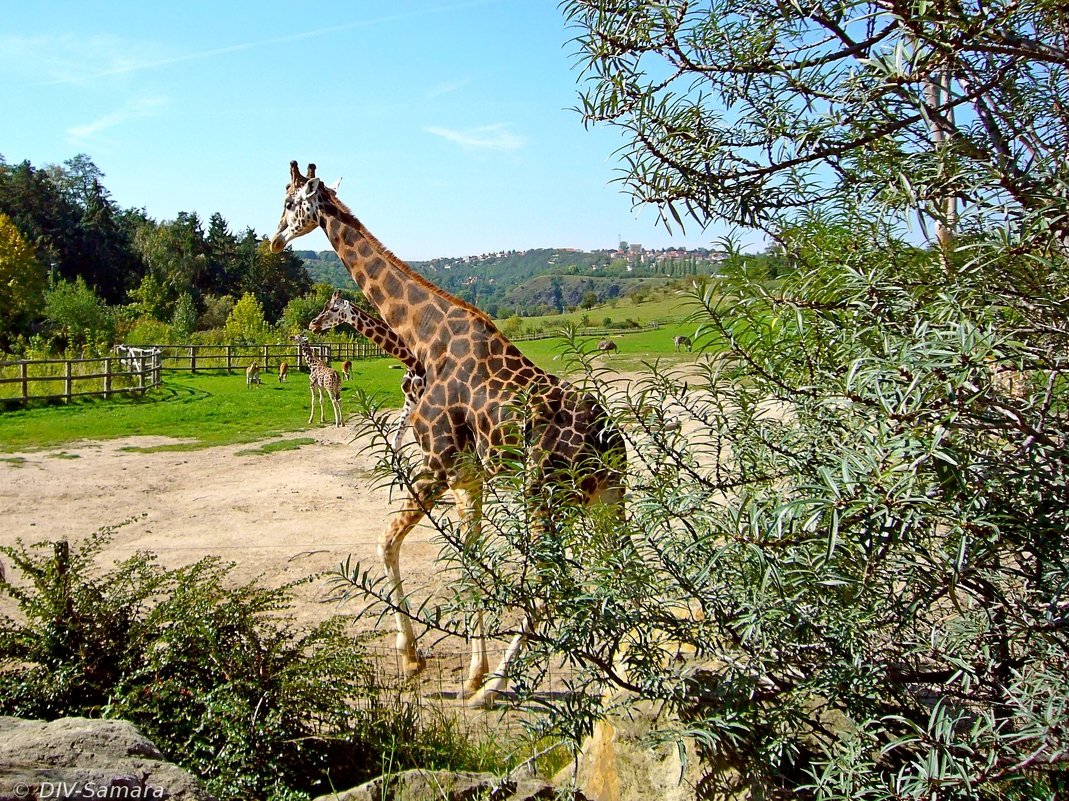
pixel 755 111
pixel 246 324
pixel 22 281
pixel 66 215
pixel 209 670
pixel 76 313
pixel 185 317
pixel 842 572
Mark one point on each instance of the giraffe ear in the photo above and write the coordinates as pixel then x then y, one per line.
pixel 311 187
pixel 334 186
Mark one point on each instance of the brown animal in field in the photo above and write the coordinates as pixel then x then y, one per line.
pixel 607 345
pixel 682 342
pixel 347 369
pixel 283 371
pixel 252 374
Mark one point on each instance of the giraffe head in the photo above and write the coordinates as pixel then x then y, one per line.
pixel 300 213
pixel 331 315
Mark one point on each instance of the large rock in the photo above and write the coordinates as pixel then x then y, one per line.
pixel 443 785
pixel 80 758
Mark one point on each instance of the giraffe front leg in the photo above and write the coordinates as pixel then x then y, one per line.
pixel 312 411
pixel 419 503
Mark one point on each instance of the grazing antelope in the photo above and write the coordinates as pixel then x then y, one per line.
pixel 607 345
pixel 252 374
pixel 682 342
pixel 283 371
pixel 347 369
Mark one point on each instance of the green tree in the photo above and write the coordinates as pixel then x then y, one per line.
pixel 77 314
pixel 842 573
pixel 246 324
pixel 185 317
pixel 22 283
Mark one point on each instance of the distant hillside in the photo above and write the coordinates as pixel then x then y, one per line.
pixel 537 281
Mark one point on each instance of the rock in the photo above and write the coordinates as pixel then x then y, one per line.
pixel 443 785
pixel 82 758
pixel 618 762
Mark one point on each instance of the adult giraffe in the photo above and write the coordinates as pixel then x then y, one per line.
pixel 480 393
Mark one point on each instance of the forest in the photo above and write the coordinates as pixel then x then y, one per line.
pixel 78 272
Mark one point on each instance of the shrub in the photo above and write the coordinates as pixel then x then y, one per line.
pixel 210 671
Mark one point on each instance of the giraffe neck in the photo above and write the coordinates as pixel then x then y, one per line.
pixel 410 305
pixel 379 333
pixel 314 362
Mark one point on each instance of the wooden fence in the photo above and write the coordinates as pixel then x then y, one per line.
pixel 195 358
pixel 133 372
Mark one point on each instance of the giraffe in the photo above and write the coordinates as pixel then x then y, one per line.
pixel 475 380
pixel 338 310
pixel 322 377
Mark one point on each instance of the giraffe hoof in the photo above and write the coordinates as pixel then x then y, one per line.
pixel 484 699
pixel 413 666
pixel 472 686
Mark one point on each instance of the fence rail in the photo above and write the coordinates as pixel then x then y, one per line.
pixel 194 358
pixel 33 379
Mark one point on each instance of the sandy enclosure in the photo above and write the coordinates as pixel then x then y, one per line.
pixel 280 516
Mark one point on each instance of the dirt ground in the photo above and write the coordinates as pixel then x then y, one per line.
pixel 280 516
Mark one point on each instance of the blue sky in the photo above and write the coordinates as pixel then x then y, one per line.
pixel 449 121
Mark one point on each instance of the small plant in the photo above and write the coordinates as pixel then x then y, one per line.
pixel 210 671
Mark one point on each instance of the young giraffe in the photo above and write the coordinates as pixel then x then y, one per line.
pixel 477 383
pixel 321 377
pixel 338 310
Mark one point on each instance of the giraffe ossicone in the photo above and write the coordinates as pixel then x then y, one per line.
pixel 477 385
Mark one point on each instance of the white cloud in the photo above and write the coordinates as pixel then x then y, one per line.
pixel 446 88
pixel 483 137
pixel 135 109
pixel 65 58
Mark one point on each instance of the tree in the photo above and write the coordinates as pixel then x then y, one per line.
pixel 22 283
pixel 77 314
pixel 843 570
pixel 185 317
pixel 246 324
pixel 750 111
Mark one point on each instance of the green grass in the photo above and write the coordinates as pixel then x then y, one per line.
pixel 219 409
pixel 291 444
pixel 665 305
pixel 205 409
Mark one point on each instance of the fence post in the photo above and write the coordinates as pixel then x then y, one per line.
pixel 267 358
pixel 228 362
pixel 107 377
pixel 67 380
pixel 25 374
pixel 192 358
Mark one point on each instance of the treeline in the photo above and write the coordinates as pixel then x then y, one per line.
pixel 76 270
pixel 542 281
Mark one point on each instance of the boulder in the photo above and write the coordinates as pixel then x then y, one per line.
pixel 81 758
pixel 443 785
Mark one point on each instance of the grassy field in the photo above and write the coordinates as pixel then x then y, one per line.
pixel 664 305
pixel 216 409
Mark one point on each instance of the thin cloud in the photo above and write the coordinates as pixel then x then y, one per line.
pixel 446 88
pixel 483 137
pixel 139 66
pixel 135 109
